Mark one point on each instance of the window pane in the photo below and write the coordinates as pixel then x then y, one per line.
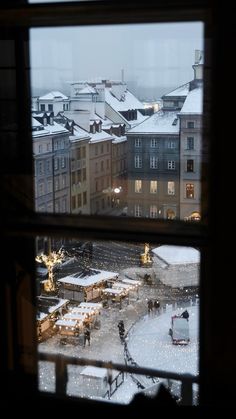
pixel 100 120
pixel 95 286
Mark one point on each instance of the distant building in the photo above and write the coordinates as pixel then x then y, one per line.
pixel 153 167
pixel 164 155
pixel 53 102
pixel 51 160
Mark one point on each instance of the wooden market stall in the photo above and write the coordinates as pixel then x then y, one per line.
pixel 114 295
pixel 86 285
pixel 48 311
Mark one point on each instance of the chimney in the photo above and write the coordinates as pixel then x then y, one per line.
pixel 198 56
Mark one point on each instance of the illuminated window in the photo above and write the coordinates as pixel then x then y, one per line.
pixel 189 190
pixel 153 186
pixel 138 186
pixel 171 188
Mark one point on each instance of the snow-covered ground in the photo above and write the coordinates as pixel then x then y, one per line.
pixel 151 346
pixel 148 343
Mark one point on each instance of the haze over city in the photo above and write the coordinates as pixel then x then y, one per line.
pixel 153 58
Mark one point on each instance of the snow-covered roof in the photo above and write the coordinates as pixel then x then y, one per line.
pixel 193 103
pixel 100 136
pixel 35 123
pixel 87 90
pixel 123 285
pixel 53 95
pixel 117 140
pixel 75 316
pixel 48 305
pixel 79 133
pixel 115 291
pixel 92 305
pixel 87 280
pixel 180 91
pixel 66 323
pixel 129 102
pixel 161 122
pixel 47 129
pixel 82 310
pixel 174 255
pixel 61 303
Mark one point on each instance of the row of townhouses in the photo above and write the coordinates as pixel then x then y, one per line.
pixel 101 151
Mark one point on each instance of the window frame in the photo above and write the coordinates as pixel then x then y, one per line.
pixel 36 224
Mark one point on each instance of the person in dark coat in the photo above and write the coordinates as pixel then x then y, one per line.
pixel 87 336
pixel 156 306
pixel 150 306
pixel 185 314
pixel 121 328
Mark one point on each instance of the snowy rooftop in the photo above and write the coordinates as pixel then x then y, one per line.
pixel 180 91
pixel 159 123
pixel 174 255
pixel 87 90
pixel 47 129
pixel 115 291
pixel 79 133
pixel 89 279
pixel 129 102
pixel 48 305
pixel 100 136
pixel 66 323
pixel 117 140
pixel 53 95
pixel 92 305
pixel 193 103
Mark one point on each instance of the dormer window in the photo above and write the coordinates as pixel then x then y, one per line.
pixel 99 127
pixel 44 121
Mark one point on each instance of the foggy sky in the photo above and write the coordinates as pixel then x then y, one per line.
pixel 153 56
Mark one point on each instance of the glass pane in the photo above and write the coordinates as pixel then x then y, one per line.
pixel 117 119
pixel 127 303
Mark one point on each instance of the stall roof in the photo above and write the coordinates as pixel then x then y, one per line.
pixel 92 305
pixel 88 278
pixel 114 291
pixel 66 323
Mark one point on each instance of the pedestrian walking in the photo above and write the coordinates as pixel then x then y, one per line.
pixel 87 336
pixel 150 306
pixel 156 306
pixel 121 328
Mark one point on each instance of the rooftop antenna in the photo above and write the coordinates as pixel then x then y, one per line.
pixel 122 75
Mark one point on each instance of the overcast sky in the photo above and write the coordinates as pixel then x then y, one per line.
pixel 151 55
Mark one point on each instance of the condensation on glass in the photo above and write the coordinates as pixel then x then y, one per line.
pixel 117 120
pixel 126 303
